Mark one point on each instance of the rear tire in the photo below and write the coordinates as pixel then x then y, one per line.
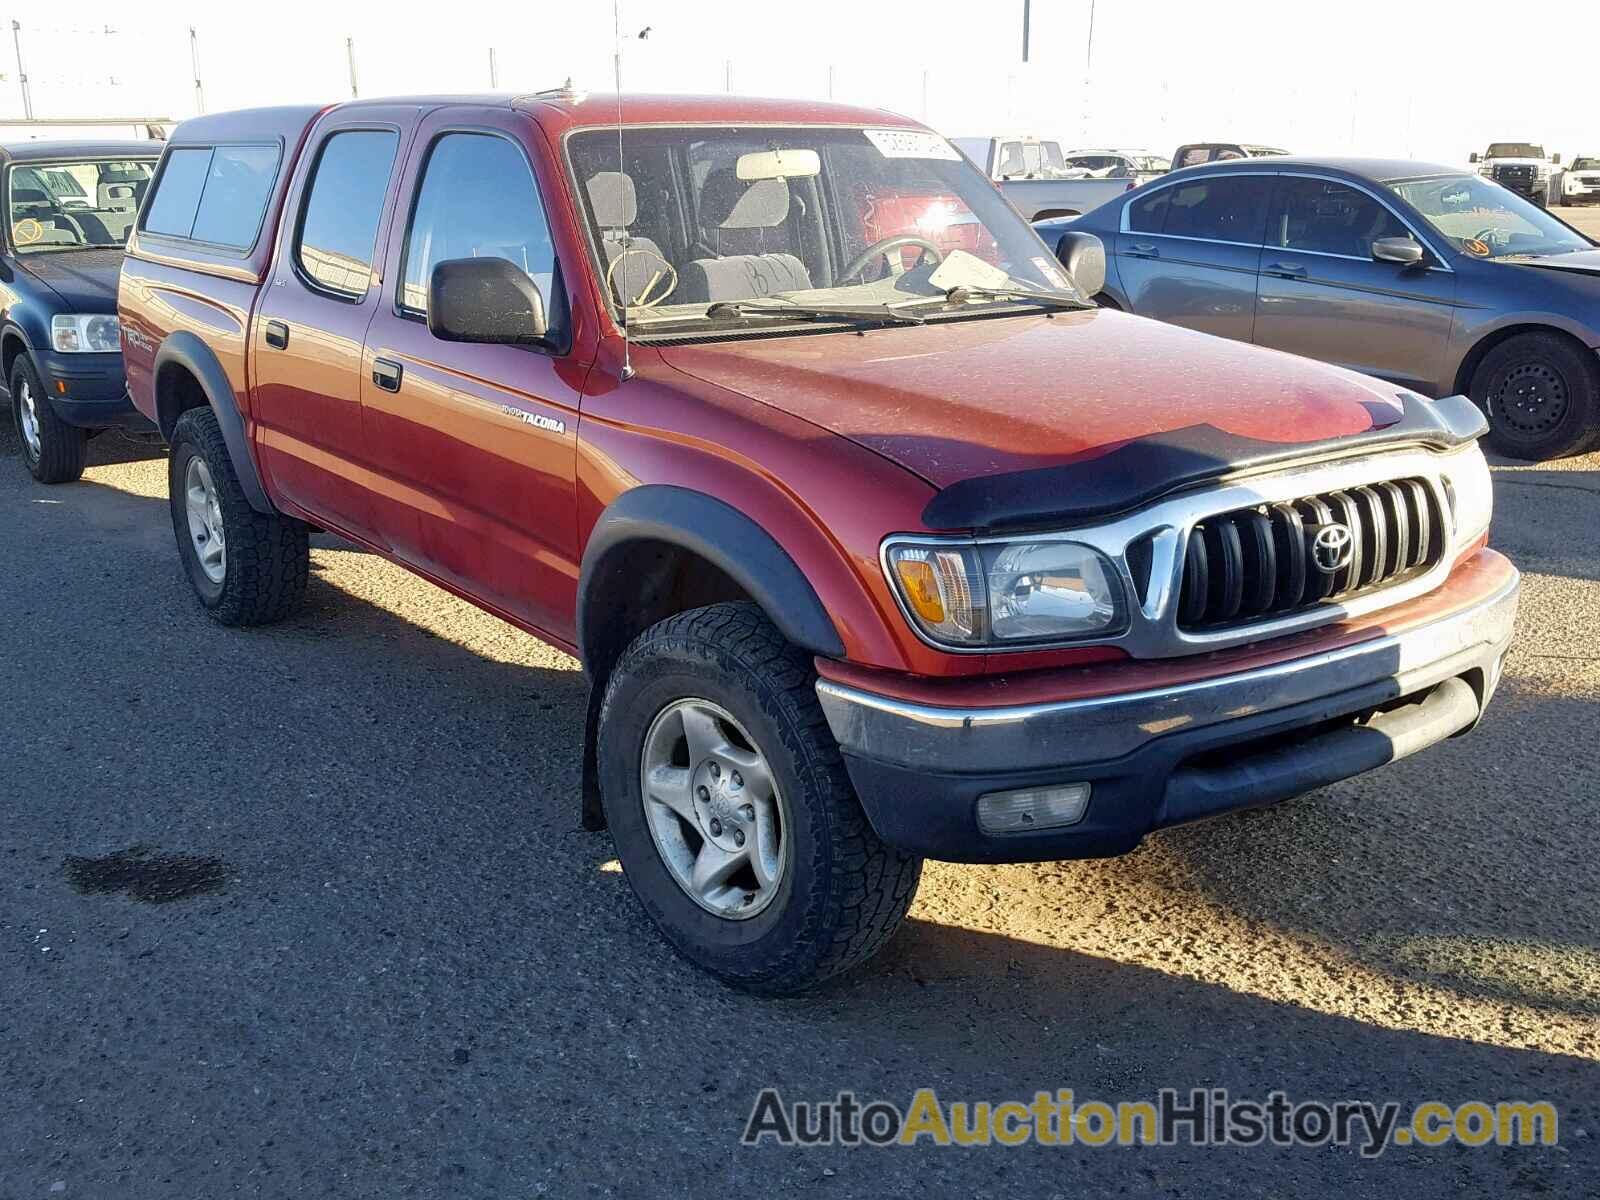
pixel 53 451
pixel 833 892
pixel 1541 393
pixel 247 568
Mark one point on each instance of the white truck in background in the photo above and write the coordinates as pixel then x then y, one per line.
pixel 1034 175
pixel 1521 167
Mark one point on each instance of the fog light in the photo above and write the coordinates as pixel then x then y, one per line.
pixel 1031 809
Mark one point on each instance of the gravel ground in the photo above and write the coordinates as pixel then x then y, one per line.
pixel 401 970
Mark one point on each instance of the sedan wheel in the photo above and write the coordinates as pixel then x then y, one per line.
pixel 1532 400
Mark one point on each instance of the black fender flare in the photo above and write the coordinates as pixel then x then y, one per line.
pixel 184 349
pixel 725 537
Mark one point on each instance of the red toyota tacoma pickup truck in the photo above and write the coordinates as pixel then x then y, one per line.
pixel 877 541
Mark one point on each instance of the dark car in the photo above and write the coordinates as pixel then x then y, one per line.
pixel 69 207
pixel 1429 276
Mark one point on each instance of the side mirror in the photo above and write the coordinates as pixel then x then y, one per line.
pixel 485 300
pixel 1403 250
pixel 1555 160
pixel 1473 157
pixel 1084 257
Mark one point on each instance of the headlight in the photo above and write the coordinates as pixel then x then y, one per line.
pixel 1000 594
pixel 1470 490
pixel 80 333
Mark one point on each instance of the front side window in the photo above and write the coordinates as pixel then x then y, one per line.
pixel 1324 217
pixel 477 199
pixel 340 228
pixel 692 221
pixel 1222 208
pixel 1484 220
pixel 75 205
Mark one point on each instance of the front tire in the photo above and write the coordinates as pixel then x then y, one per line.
pixel 247 568
pixel 1542 396
pixel 53 450
pixel 731 810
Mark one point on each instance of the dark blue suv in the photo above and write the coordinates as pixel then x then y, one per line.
pixel 69 207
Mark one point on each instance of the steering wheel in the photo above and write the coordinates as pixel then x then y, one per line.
pixel 1493 236
pixel 859 263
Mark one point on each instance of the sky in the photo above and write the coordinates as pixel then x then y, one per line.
pixel 1406 78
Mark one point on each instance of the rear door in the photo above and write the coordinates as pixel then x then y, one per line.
pixel 474 446
pixel 1323 295
pixel 1188 252
pixel 312 320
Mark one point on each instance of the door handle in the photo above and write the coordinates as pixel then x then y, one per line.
pixel 1285 270
pixel 277 334
pixel 386 374
pixel 1143 250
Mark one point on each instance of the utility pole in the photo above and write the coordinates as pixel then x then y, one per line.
pixel 494 73
pixel 727 74
pixel 350 55
pixel 22 74
pixel 1088 61
pixel 194 59
pixel 1027 14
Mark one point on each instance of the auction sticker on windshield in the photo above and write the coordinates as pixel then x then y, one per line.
pixel 911 143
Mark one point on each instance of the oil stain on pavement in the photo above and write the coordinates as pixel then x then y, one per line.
pixel 145 875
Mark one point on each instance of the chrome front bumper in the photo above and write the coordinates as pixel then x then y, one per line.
pixel 1028 737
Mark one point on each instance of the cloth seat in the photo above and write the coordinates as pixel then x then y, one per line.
pixel 742 224
pixel 633 264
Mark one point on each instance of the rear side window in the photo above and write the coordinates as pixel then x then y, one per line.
pixel 1325 217
pixel 1226 209
pixel 214 194
pixel 1149 214
pixel 477 200
pixel 340 225
pixel 177 195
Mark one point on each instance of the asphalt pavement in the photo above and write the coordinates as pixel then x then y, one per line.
pixel 306 911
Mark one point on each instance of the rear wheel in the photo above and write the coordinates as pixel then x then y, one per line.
pixel 732 812
pixel 1541 393
pixel 247 567
pixel 53 450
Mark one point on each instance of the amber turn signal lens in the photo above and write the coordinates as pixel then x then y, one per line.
pixel 921 589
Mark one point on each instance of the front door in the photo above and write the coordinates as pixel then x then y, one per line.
pixel 474 446
pixel 1188 253
pixel 312 320
pixel 1323 295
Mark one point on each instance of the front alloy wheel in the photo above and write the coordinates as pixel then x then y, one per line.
pixel 205 520
pixel 713 809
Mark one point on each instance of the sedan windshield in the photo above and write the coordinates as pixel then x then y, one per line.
pixel 1484 220
pixel 727 228
pixel 74 205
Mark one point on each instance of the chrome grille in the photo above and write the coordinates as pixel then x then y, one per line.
pixel 1260 563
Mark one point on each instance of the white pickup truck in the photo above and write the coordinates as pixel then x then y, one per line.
pixel 1034 175
pixel 1522 167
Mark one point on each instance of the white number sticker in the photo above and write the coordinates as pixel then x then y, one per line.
pixel 912 143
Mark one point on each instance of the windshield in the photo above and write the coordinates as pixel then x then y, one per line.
pixel 1483 219
pixel 1515 150
pixel 710 226
pixel 1586 164
pixel 73 205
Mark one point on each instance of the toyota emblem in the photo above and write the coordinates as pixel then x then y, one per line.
pixel 1333 548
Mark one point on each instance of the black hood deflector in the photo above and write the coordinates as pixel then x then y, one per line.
pixel 1145 470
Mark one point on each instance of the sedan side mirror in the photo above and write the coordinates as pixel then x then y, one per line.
pixel 1403 250
pixel 485 300
pixel 1084 257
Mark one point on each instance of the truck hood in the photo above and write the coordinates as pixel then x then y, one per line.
pixel 989 396
pixel 86 280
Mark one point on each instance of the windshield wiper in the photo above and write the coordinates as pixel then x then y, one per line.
pixel 962 293
pixel 869 314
